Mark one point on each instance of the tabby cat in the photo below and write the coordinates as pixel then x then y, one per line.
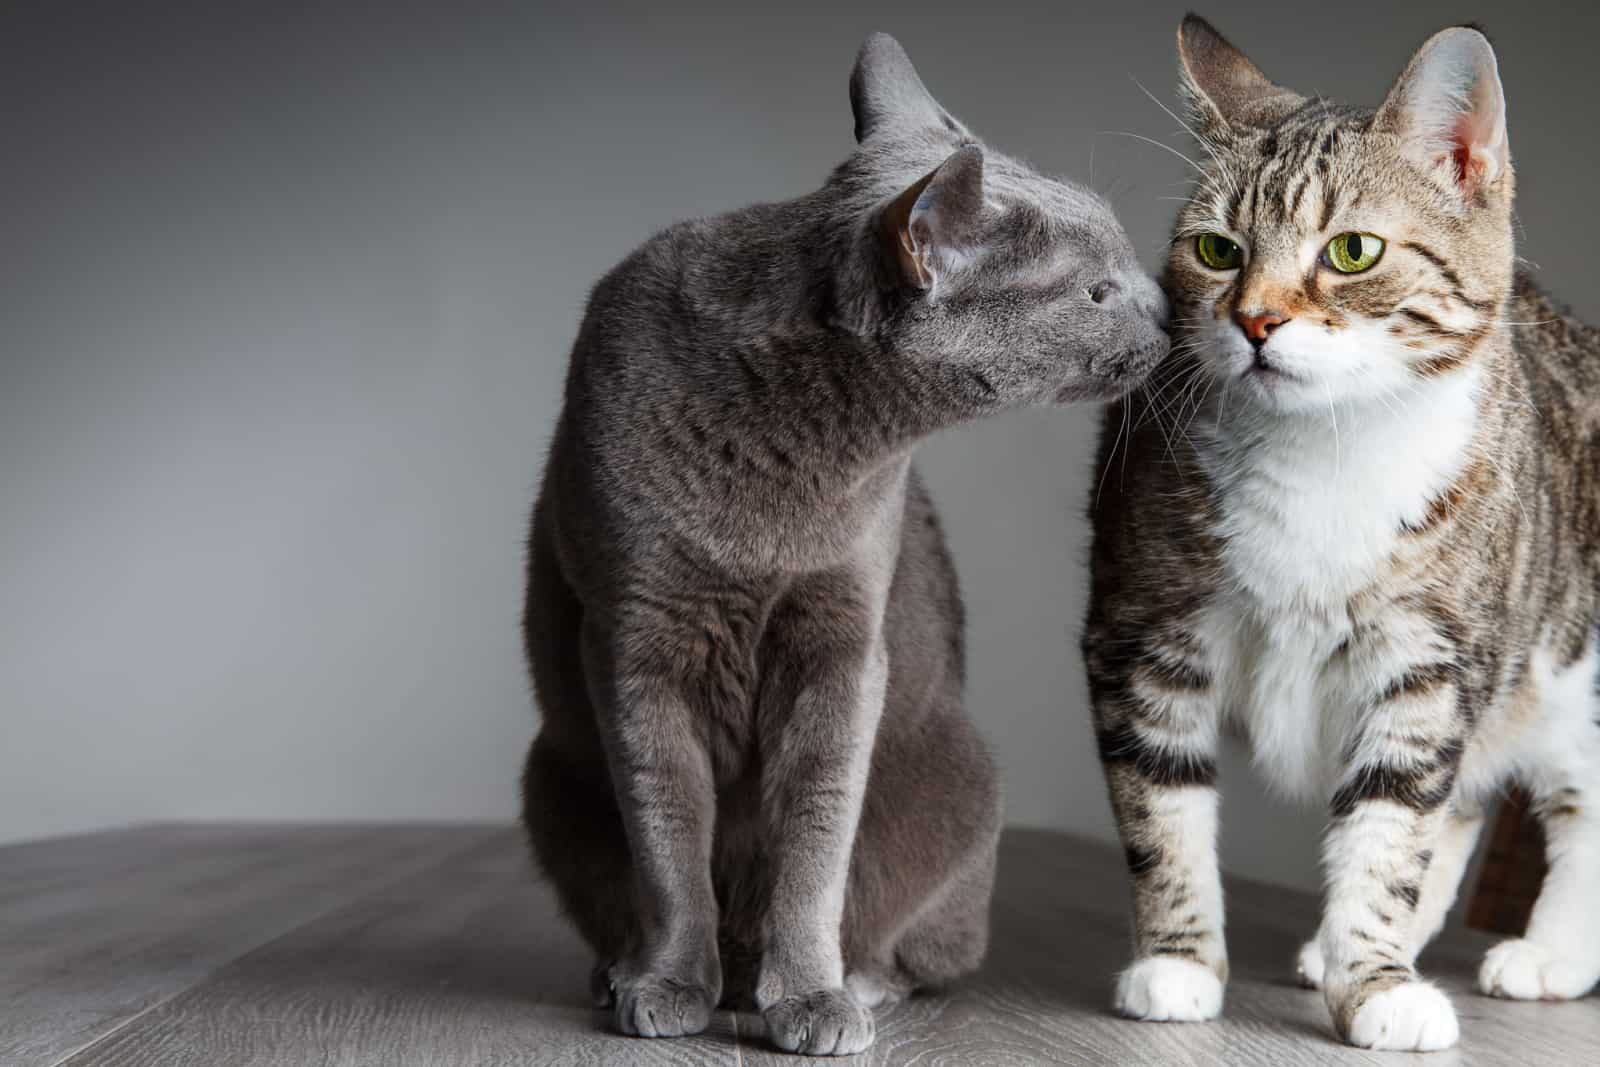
pixel 1357 520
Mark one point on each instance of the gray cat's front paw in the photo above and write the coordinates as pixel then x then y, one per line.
pixel 826 1023
pixel 653 1006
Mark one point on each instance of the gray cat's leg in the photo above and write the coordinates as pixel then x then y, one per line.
pixel 1156 723
pixel 1439 888
pixel 923 871
pixel 577 837
pixel 568 801
pixel 945 940
pixel 668 984
pixel 816 754
pixel 1558 958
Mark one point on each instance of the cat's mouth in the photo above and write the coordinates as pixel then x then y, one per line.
pixel 1264 371
pixel 1120 375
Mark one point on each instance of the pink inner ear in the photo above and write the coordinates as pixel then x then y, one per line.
pixel 1471 162
pixel 1466 166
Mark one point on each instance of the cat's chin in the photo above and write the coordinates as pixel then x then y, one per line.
pixel 1127 373
pixel 1283 393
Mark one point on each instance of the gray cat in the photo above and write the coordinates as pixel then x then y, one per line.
pixel 755 778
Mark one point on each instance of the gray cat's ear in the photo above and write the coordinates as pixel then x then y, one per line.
pixel 886 94
pixel 1449 112
pixel 1224 90
pixel 935 225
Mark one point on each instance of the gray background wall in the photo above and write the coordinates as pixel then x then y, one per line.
pixel 284 310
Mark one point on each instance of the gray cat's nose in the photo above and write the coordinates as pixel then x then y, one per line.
pixel 1159 307
pixel 1151 300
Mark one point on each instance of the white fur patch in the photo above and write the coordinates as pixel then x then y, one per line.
pixel 1188 821
pixel 1357 365
pixel 1162 989
pixel 1311 511
pixel 1309 966
pixel 1414 1017
pixel 1523 970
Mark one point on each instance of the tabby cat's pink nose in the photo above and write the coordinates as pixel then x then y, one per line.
pixel 1257 324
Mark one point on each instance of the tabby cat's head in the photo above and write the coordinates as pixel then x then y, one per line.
pixel 1334 253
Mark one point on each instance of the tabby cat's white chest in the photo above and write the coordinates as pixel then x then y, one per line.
pixel 1310 512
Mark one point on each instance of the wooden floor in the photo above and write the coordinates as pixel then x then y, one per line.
pixel 215 946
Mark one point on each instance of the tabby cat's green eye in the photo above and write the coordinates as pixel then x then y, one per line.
pixel 1217 252
pixel 1352 253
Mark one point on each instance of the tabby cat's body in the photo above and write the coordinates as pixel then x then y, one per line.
pixel 1358 519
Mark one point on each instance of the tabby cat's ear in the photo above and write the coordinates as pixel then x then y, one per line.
pixel 1225 91
pixel 932 227
pixel 886 94
pixel 1450 113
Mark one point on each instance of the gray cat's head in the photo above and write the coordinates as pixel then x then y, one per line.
pixel 1026 283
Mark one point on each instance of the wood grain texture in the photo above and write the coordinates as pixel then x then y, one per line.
pixel 465 961
pixel 96 929
pixel 1061 934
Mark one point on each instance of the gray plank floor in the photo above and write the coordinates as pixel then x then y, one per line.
pixel 223 946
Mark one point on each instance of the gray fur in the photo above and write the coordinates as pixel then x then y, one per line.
pixel 754 775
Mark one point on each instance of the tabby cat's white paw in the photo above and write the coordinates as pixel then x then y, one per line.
pixel 1308 965
pixel 1414 1017
pixel 1523 970
pixel 1162 989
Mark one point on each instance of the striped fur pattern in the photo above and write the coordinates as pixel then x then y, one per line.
pixel 1369 544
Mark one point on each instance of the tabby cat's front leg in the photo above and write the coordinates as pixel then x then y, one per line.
pixel 1440 885
pixel 1156 725
pixel 1388 818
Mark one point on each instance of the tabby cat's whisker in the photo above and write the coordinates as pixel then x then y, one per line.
pixel 1204 176
pixel 1233 184
pixel 1121 430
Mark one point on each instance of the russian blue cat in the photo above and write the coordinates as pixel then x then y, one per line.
pixel 755 777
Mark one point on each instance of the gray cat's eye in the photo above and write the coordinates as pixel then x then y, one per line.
pixel 1104 291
